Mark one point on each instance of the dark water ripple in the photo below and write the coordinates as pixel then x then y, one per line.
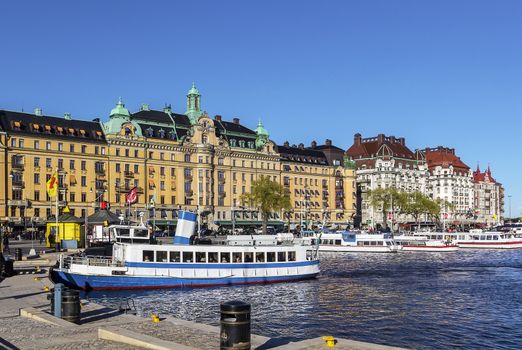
pixel 470 299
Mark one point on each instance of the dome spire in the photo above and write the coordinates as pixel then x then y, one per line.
pixel 193 104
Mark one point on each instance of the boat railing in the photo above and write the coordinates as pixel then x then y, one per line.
pixel 67 261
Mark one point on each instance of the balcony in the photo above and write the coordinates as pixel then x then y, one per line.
pixel 128 174
pixel 188 177
pixel 125 189
pixel 222 194
pixel 18 184
pixel 18 203
pixel 100 171
pixel 221 180
pixel 18 166
pixel 189 193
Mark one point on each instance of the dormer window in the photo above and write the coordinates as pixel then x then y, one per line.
pixel 149 132
pixel 71 131
pixel 172 135
pixel 233 143
pixel 99 134
pixel 59 130
pixel 36 127
pixel 250 144
pixel 17 125
pixel 47 128
pixel 204 139
pixel 241 143
pixel 161 133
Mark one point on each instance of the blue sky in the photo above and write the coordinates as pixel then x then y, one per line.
pixel 435 72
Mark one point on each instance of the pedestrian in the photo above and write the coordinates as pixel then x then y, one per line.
pixel 41 236
pixel 6 243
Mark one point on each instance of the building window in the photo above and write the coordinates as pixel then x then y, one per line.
pixel 136 153
pixel 162 171
pixel 71 164
pixel 118 167
pixel 36 144
pixel 200 159
pixel 84 197
pixel 48 162
pixel 127 153
pixel 48 146
pixel 84 181
pixel 221 161
pixel 162 156
pixel 60 163
pixel 36 162
pixel 204 139
pixel 37 212
pixel 71 148
pixel 60 146
pixel 36 178
pixel 103 150
pixel 187 158
pixel 117 152
pixel 37 195
pixel 84 165
pixel 136 169
pixel 73 197
pixel 151 155
pixel 172 172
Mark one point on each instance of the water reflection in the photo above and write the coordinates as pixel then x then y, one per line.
pixel 467 299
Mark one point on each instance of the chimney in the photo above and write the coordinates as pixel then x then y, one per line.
pixel 235 121
pixel 167 108
pixel 301 146
pixel 286 144
pixel 67 116
pixel 401 141
pixel 392 139
pixel 313 144
pixel 380 138
pixel 357 139
pixel 146 107
pixel 217 117
pixel 38 111
pixel 328 142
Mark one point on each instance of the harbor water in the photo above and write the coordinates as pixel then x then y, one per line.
pixel 470 299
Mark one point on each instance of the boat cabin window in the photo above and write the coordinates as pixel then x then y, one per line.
pixel 337 242
pixel 225 257
pixel 200 257
pixel 291 256
pixel 260 257
pixel 249 257
pixel 161 256
pixel 281 256
pixel 270 257
pixel 188 257
pixel 125 232
pixel 148 255
pixel 212 257
pixel 141 233
pixel 174 257
pixel 237 258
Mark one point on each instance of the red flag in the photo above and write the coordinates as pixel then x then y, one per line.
pixel 132 196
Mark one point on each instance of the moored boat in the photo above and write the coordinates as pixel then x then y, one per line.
pixel 137 264
pixel 346 241
pixel 423 244
pixel 480 239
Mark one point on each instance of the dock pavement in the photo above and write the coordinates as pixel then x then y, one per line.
pixel 26 323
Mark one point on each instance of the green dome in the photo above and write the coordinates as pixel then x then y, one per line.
pixel 120 109
pixel 260 130
pixel 193 90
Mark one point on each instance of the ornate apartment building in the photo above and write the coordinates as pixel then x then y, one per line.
pixel 488 198
pixel 383 162
pixel 189 161
pixel 452 181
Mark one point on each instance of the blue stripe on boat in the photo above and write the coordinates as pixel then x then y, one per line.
pixel 186 215
pixel 158 265
pixel 97 282
pixel 181 240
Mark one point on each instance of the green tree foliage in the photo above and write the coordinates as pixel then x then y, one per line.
pixel 387 199
pixel 267 196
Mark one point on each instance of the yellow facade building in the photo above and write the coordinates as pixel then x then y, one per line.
pixel 175 161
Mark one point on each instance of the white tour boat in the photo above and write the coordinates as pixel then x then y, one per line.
pixel 414 243
pixel 137 264
pixel 345 241
pixel 480 239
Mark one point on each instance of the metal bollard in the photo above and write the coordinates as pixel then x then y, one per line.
pixel 18 254
pixel 58 287
pixel 235 326
pixel 71 305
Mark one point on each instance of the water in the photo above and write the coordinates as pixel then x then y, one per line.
pixel 468 299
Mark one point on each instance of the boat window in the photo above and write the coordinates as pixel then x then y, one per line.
pixel 225 257
pixel 281 256
pixel 188 257
pixel 291 256
pixel 337 242
pixel 360 243
pixel 249 257
pixel 212 257
pixel 313 241
pixel 270 257
pixel 373 243
pixel 174 257
pixel 236 257
pixel 200 257
pixel 389 243
pixel 161 256
pixel 495 238
pixel 148 255
pixel 123 232
pixel 260 257
pixel 140 233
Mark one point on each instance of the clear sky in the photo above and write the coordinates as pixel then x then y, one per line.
pixel 435 72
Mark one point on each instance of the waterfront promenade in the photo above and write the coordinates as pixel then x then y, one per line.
pixel 26 324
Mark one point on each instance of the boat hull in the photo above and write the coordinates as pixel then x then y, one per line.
pixel 97 282
pixel 357 249
pixel 490 245
pixel 430 248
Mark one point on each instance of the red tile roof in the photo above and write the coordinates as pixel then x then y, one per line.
pixel 444 157
pixel 479 176
pixel 368 147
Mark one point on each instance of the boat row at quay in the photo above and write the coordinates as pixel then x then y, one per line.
pixel 137 263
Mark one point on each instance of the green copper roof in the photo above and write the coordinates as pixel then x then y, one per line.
pixel 193 90
pixel 260 130
pixel 120 109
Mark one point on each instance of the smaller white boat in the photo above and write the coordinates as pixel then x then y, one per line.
pixel 477 238
pixel 424 244
pixel 346 241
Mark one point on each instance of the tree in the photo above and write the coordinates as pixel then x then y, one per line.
pixel 267 196
pixel 417 204
pixel 387 199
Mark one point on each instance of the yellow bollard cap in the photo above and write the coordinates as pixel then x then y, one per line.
pixel 155 318
pixel 46 289
pixel 330 341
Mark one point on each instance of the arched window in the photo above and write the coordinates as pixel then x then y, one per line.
pixel 150 132
pixel 161 133
pixel 204 139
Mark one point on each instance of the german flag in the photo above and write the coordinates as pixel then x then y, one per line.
pixel 52 185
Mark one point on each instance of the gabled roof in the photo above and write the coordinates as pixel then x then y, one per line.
pixel 52 127
pixel 479 176
pixel 369 147
pixel 161 117
pixel 222 126
pixel 444 157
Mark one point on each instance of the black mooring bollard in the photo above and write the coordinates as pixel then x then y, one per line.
pixel 235 326
pixel 18 254
pixel 71 305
